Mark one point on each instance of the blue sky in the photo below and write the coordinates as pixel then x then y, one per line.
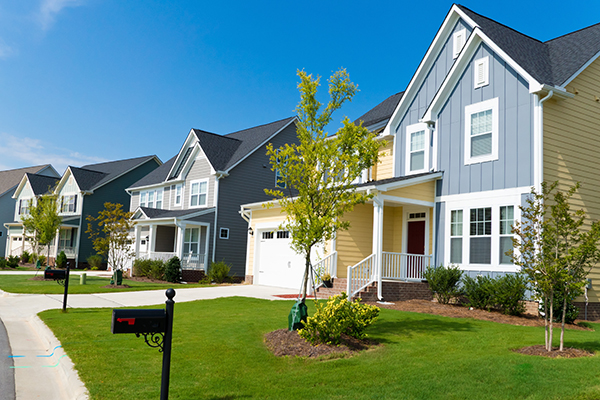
pixel 85 81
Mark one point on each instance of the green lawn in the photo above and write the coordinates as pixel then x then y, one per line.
pixel 24 284
pixel 219 353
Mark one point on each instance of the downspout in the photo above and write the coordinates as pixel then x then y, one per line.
pixel 214 249
pixel 539 176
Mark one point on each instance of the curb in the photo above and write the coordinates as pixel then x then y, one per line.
pixel 74 387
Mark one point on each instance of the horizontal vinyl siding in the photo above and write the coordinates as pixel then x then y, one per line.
pixel 571 134
pixel 385 168
pixel 356 243
pixel 423 191
pixel 200 170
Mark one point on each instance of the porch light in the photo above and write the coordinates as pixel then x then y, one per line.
pixel 251 231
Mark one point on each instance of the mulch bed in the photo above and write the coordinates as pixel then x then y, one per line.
pixel 283 342
pixel 540 350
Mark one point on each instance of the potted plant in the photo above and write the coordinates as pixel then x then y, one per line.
pixel 327 280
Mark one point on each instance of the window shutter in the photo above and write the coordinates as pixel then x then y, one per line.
pixel 19 212
pixel 75 205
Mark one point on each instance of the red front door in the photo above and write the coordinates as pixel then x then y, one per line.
pixel 415 244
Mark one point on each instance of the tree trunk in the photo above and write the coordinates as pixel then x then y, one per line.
pixel 546 322
pixel 549 348
pixel 562 327
pixel 306 275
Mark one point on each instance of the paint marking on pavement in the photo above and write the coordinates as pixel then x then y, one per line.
pixel 53 350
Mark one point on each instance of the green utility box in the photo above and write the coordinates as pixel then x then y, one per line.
pixel 297 315
pixel 82 278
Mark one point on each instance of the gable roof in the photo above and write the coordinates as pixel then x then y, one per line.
pixel 154 213
pixel 41 184
pixel 159 175
pixel 224 152
pixel 11 178
pixel 381 112
pixel 92 176
pixel 552 62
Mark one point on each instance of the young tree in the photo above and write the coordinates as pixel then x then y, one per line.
pixel 110 236
pixel 555 249
pixel 319 172
pixel 42 222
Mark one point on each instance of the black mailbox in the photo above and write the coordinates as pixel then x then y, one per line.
pixel 56 274
pixel 138 321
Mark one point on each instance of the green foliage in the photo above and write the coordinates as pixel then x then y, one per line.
pixel 318 173
pixel 219 272
pixel 505 293
pixel 336 318
pixel 556 247
pixel 42 259
pixel 173 270
pixel 2 263
pixel 13 261
pixel 61 260
pixel 109 232
pixel 444 282
pixel 43 221
pixel 141 267
pixel 25 257
pixel 558 305
pixel 157 270
pixel 95 261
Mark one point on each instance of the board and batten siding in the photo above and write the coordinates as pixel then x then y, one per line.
pixel 200 169
pixel 514 166
pixel 571 133
pixel 424 96
pixel 384 169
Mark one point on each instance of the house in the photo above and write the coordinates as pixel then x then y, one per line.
pixel 488 114
pixel 9 180
pixel 189 207
pixel 81 192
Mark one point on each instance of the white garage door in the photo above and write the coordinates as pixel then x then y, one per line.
pixel 278 264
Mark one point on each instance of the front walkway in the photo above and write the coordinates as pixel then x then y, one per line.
pixel 44 371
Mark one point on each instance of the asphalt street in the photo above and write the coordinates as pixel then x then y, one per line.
pixel 7 373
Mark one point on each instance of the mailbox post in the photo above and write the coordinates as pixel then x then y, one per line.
pixel 66 288
pixel 157 328
pixel 62 278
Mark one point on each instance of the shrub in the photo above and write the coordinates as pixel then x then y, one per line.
pixel 141 267
pixel 336 318
pixel 173 270
pixel 510 293
pixel 443 282
pixel 42 260
pixel 95 261
pixel 61 260
pixel 219 272
pixel 13 261
pixel 2 263
pixel 25 257
pixel 480 292
pixel 157 270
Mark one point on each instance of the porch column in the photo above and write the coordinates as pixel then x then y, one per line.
pixel 179 239
pixel 138 231
pixel 152 238
pixel 378 242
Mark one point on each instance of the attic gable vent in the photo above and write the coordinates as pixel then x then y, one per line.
pixel 184 159
pixel 458 42
pixel 482 72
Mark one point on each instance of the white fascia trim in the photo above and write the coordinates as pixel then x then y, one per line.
pixel 580 70
pixel 559 92
pixel 462 62
pixel 187 143
pixel 428 60
pixel 377 125
pixel 20 187
pixel 403 183
pixel 262 144
pixel 406 200
pixel 485 195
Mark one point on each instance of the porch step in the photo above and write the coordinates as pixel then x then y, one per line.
pixel 339 286
pixel 392 291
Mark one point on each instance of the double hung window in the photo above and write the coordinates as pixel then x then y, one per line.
pixel 152 198
pixel 481 133
pixel 417 148
pixel 69 204
pixel 506 222
pixel 198 193
pixel 481 236
pixel 24 206
pixel 191 242
pixel 456 231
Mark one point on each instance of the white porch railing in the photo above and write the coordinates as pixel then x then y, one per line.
pixel 69 251
pixel 193 261
pixel 328 265
pixel 403 266
pixel 361 275
pixel 157 255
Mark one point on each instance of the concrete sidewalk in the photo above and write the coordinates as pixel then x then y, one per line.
pixel 42 369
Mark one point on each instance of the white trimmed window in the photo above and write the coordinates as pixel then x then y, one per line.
pixel 224 233
pixel 279 181
pixel 459 39
pixel 507 219
pixel 178 193
pixel 198 193
pixel 481 132
pixel 151 198
pixel 481 74
pixel 68 204
pixel 417 148
pixel 480 242
pixel 191 241
pixel 24 206
pixel 456 232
